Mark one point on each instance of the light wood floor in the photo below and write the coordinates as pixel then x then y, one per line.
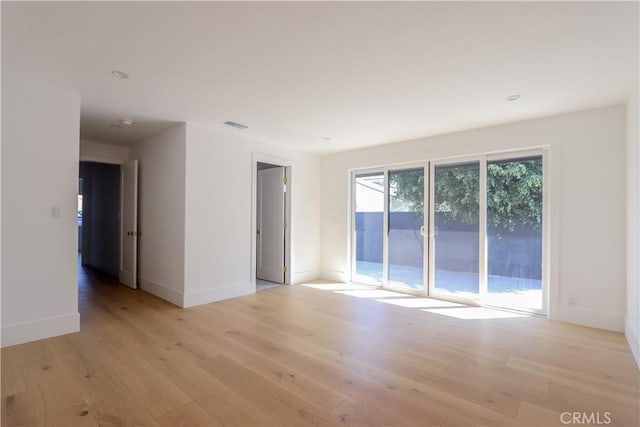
pixel 301 355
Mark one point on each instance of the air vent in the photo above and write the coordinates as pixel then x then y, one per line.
pixel 235 125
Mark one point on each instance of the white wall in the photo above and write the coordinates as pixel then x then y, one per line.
pixel 195 213
pixel 161 213
pixel 218 213
pixel 91 151
pixel 587 187
pixel 632 324
pixel 40 139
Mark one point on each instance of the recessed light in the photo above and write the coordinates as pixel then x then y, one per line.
pixel 125 122
pixel 236 125
pixel 513 97
pixel 119 74
pixel 326 138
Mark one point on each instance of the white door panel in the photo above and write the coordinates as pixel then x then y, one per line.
pixel 129 223
pixel 271 224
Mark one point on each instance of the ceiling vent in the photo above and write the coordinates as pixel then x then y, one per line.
pixel 236 125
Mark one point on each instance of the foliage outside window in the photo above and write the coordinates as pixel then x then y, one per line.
pixel 514 188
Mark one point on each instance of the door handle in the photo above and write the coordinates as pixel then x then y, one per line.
pixel 257 231
pixel 422 231
pixel 133 233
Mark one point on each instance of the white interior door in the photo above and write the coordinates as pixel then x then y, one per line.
pixel 271 225
pixel 129 223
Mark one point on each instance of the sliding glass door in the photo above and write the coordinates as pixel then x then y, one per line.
pixel 406 225
pixel 368 227
pixel 514 233
pixel 485 218
pixel 455 231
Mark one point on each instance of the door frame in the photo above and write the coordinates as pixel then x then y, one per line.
pixel 288 167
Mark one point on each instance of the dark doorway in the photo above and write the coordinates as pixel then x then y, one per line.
pixel 100 217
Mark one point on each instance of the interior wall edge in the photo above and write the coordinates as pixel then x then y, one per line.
pixel 161 291
pixel 207 296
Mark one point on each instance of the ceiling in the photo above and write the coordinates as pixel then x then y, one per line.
pixel 359 73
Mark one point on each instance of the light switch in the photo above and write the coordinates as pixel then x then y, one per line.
pixel 55 212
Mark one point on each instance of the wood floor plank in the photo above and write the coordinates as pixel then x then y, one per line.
pixel 211 344
pixel 220 401
pixel 148 386
pixel 189 415
pixel 321 354
pixel 16 410
pixel 364 356
pixel 121 409
pixel 286 407
pixel 12 377
pixel 582 401
pixel 626 394
pixel 360 413
pixel 538 415
pixel 294 382
pixel 93 378
pixel 54 398
pixel 454 422
pixel 332 374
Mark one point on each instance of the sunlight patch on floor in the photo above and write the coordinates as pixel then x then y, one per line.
pixel 372 293
pixel 474 313
pixel 336 286
pixel 418 302
pixel 428 305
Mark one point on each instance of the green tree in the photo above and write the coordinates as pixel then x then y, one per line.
pixel 514 192
pixel 408 188
pixel 457 192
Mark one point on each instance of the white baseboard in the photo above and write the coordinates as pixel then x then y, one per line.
pixel 631 332
pixel 38 329
pixel 210 295
pixel 591 318
pixel 304 276
pixel 162 291
pixel 335 275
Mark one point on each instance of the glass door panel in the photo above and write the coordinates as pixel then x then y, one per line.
pixel 406 229
pixel 455 228
pixel 368 228
pixel 514 233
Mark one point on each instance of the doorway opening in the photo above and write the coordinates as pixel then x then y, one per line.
pixel 107 220
pixel 98 217
pixel 271 223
